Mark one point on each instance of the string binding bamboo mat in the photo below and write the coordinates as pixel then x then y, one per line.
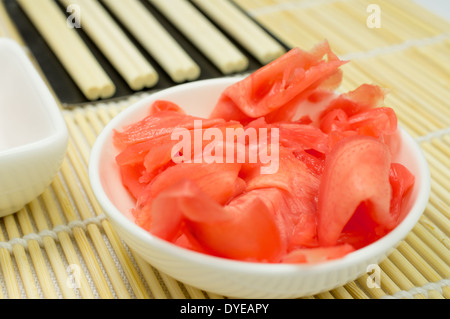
pixel 62 246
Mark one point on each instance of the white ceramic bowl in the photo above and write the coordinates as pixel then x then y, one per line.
pixel 33 134
pixel 227 277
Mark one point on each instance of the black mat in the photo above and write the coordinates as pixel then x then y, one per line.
pixel 66 89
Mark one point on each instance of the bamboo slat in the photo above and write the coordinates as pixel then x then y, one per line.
pixel 78 279
pixel 150 277
pixel 37 257
pixel 355 291
pixel 21 259
pixel 8 271
pixel 61 245
pixel 52 251
pixel 373 292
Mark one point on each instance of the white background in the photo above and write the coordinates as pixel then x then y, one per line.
pixel 440 7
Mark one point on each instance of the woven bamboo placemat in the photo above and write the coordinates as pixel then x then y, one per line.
pixel 62 246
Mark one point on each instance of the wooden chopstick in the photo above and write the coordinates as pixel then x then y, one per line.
pixel 244 30
pixel 155 39
pixel 115 45
pixel 203 34
pixel 70 49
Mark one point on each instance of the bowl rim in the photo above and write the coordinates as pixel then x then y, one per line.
pixel 41 92
pixel 377 249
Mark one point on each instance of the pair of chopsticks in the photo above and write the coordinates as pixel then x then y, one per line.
pixel 69 48
pixel 211 41
pixel 203 34
pixel 244 30
pixel 155 39
pixel 115 45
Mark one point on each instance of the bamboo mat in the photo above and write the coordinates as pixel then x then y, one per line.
pixel 62 246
